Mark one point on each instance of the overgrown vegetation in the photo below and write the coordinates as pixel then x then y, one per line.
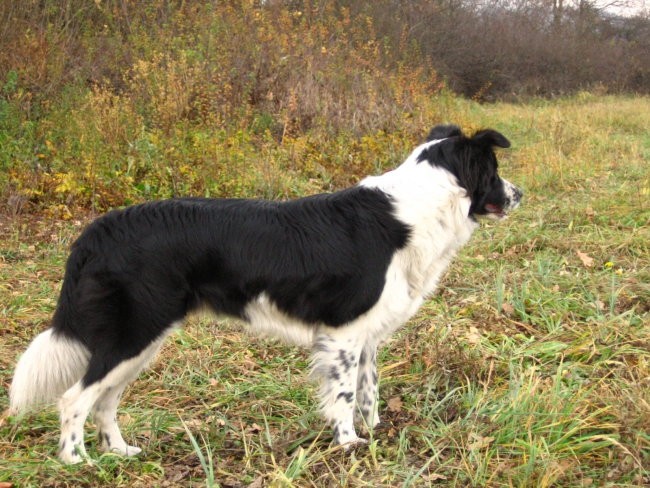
pixel 113 102
pixel 530 367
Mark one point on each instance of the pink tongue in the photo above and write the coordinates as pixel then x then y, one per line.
pixel 493 208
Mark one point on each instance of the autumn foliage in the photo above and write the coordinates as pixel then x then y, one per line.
pixel 106 103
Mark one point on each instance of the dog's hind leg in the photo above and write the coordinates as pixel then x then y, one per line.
pixel 335 360
pixel 105 409
pixel 367 385
pixel 74 407
pixel 105 417
pixel 103 396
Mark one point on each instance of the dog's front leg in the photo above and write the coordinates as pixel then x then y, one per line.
pixel 335 361
pixel 367 385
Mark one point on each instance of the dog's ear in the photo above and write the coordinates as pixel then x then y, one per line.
pixel 489 137
pixel 444 131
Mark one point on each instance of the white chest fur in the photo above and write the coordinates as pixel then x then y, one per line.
pixel 436 208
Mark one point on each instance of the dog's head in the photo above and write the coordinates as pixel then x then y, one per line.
pixel 473 162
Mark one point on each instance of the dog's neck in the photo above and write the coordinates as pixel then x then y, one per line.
pixel 423 192
pixel 429 199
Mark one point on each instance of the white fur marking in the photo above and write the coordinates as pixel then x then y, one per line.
pixel 513 194
pixel 49 366
pixel 367 387
pixel 267 320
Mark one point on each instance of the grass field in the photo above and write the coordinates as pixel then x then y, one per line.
pixel 530 367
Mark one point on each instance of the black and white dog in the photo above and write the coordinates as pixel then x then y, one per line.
pixel 336 272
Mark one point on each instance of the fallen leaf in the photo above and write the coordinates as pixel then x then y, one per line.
pixel 473 336
pixel 480 442
pixel 434 477
pixel 175 474
pixel 395 404
pixel 507 308
pixel 257 483
pixel 587 260
pixel 125 419
pixel 195 424
pixel 213 419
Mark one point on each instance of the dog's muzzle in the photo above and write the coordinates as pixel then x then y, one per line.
pixel 513 196
pixel 511 199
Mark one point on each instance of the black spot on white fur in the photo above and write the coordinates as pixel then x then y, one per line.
pixel 348 395
pixel 334 374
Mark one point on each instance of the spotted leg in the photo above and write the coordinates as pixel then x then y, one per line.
pixel 105 416
pixel 335 360
pixel 367 381
pixel 74 407
pixel 105 409
pixel 103 395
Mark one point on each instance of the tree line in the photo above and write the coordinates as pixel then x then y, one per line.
pixel 481 49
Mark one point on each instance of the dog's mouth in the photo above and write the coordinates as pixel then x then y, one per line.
pixel 494 211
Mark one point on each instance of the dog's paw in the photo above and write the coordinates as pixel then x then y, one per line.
pixel 124 450
pixel 131 451
pixel 354 444
pixel 72 455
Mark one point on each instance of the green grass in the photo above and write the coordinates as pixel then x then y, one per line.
pixel 529 367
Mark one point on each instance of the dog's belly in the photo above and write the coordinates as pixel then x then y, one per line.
pixel 396 304
pixel 267 320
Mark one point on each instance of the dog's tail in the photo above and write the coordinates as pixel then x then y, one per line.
pixel 51 364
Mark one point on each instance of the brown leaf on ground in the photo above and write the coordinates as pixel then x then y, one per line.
pixel 433 477
pixel 395 404
pixel 257 483
pixel 479 442
pixel 473 336
pixel 587 260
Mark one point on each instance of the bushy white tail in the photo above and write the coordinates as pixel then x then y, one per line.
pixel 50 365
